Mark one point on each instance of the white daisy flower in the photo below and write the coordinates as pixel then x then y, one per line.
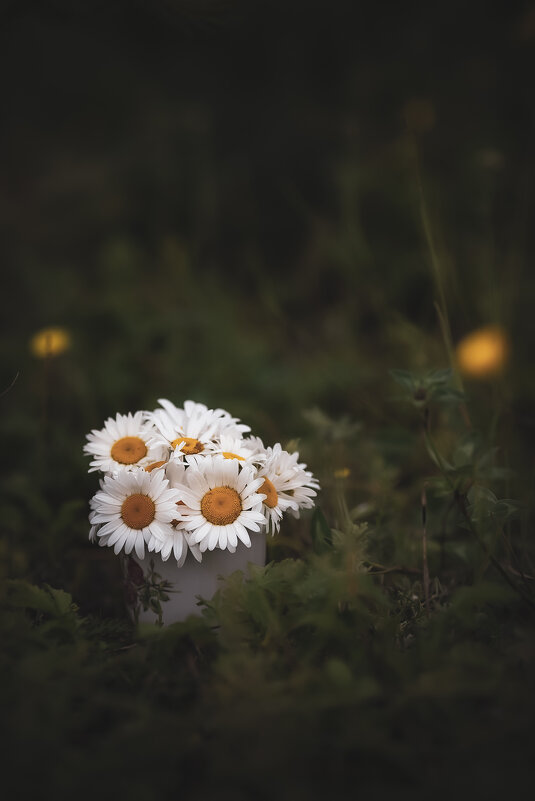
pixel 287 485
pixel 232 447
pixel 93 530
pixel 221 503
pixel 178 541
pixel 186 431
pixel 193 428
pixel 304 489
pixel 231 425
pixel 133 509
pixel 227 423
pixel 256 445
pixel 123 444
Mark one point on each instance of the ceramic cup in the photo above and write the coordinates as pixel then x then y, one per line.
pixel 161 593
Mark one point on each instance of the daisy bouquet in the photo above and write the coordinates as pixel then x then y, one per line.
pixel 188 479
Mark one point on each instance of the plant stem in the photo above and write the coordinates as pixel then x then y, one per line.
pixel 461 503
pixel 440 305
pixel 381 569
pixel 10 386
pixel 424 551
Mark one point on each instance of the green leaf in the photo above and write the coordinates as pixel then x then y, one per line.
pixel 506 509
pixel 448 395
pixel 404 378
pixel 479 493
pixel 439 376
pixel 46 599
pixel 439 460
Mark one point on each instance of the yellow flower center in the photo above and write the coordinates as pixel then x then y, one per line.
pixel 221 506
pixel 138 511
pixel 230 455
pixel 191 445
pixel 269 490
pixel 128 450
pixel 154 466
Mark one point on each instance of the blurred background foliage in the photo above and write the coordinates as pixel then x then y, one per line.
pixel 240 204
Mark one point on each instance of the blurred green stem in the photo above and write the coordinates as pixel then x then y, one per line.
pixel 424 550
pixel 345 521
pixel 441 307
pixel 10 386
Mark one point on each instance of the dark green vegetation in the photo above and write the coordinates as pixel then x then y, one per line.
pixel 229 207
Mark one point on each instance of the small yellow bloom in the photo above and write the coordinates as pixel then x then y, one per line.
pixel 484 352
pixel 343 472
pixel 50 342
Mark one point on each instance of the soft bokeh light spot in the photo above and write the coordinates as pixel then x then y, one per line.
pixel 50 342
pixel 484 352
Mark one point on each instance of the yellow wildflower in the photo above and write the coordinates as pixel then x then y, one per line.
pixel 50 342
pixel 484 352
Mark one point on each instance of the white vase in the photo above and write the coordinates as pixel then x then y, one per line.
pixel 146 591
